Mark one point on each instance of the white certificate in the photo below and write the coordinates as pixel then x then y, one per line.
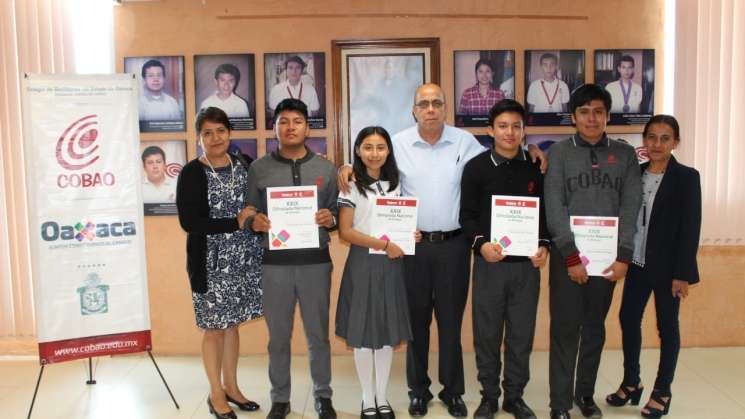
pixel 596 239
pixel 514 224
pixel 394 219
pixel 292 212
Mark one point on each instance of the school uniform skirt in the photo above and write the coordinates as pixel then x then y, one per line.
pixel 372 311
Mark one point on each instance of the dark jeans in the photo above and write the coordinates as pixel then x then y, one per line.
pixel 636 291
pixel 437 279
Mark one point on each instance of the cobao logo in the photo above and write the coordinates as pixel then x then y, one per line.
pixel 52 231
pixel 76 150
pixel 173 169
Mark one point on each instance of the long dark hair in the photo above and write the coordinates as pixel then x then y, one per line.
pixel 388 172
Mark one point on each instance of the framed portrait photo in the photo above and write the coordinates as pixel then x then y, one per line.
pixel 550 78
pixel 161 92
pixel 227 82
pixel 161 164
pixel 628 75
pixel 375 82
pixel 482 78
pixel 298 75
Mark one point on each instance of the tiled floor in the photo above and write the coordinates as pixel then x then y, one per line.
pixel 710 384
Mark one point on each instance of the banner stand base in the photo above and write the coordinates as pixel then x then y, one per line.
pixel 92 381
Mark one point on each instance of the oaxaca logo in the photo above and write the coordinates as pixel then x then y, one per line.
pixel 86 230
pixel 76 149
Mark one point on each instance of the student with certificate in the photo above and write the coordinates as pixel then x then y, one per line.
pixel 588 175
pixel 372 314
pixel 289 178
pixel 505 288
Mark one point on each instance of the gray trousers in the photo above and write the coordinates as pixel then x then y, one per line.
pixel 577 332
pixel 505 298
pixel 284 286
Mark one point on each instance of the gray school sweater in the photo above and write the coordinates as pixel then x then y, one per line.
pixel 608 184
pixel 274 170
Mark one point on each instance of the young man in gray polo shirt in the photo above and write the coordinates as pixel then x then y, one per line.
pixel 588 174
pixel 296 275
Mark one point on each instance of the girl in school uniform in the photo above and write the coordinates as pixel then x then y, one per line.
pixel 372 313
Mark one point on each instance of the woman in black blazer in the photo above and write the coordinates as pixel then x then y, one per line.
pixel 664 262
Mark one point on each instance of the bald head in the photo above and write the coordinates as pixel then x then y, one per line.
pixel 429 89
pixel 429 110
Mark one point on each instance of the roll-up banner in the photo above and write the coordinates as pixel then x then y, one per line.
pixel 81 151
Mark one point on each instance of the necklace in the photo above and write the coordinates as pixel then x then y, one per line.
pixel 214 173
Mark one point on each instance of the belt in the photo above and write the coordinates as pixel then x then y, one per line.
pixel 439 236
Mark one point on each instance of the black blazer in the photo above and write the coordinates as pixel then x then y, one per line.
pixel 675 225
pixel 194 216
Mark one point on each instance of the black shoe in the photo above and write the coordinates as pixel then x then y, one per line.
pixel 487 409
pixel 369 413
pixel 279 410
pixel 385 411
pixel 455 405
pixel 588 407
pixel 227 415
pixel 518 408
pixel 248 406
pixel 560 414
pixel 632 396
pixel 325 409
pixel 658 397
pixel 418 406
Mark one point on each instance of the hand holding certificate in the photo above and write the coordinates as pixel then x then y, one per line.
pixel 514 224
pixel 597 241
pixel 394 219
pixel 292 212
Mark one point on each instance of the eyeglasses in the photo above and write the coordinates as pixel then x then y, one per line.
pixel 425 104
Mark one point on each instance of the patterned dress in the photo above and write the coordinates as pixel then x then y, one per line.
pixel 234 292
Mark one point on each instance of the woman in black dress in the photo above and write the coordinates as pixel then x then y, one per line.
pixel 223 258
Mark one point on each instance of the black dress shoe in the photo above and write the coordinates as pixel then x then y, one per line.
pixel 227 415
pixel 487 409
pixel 455 405
pixel 518 408
pixel 279 411
pixel 248 406
pixel 325 409
pixel 560 414
pixel 369 413
pixel 418 407
pixel 385 411
pixel 588 407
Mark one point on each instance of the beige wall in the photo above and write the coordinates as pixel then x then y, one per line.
pixel 713 315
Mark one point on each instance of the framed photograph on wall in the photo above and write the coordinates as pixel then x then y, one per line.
pixel 161 163
pixel 161 92
pixel 550 78
pixel 628 75
pixel 227 82
pixel 374 84
pixel 482 78
pixel 247 146
pixel 299 75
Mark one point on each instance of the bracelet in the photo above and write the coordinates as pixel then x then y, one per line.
pixel 386 245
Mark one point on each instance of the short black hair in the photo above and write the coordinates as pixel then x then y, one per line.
pixel 152 150
pixel 296 59
pixel 548 56
pixel 586 94
pixel 212 114
pixel 228 68
pixel 628 59
pixel 153 63
pixel 669 120
pixel 291 104
pixel 481 62
pixel 506 105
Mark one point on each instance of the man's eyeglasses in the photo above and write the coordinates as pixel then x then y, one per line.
pixel 425 104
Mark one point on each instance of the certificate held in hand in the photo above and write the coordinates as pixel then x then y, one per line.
pixel 514 224
pixel 596 239
pixel 292 212
pixel 394 219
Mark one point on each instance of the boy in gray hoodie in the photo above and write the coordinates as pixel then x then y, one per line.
pixel 589 174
